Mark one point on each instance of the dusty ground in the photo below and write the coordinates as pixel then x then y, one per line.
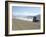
pixel 24 25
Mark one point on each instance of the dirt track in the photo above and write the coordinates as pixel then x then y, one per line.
pixel 24 25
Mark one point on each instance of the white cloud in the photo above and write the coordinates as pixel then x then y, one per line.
pixel 25 14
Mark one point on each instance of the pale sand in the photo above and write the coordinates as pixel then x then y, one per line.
pixel 24 25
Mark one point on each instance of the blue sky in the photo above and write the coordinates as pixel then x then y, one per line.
pixel 25 11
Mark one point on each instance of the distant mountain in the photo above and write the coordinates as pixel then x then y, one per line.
pixel 31 16
pixel 26 16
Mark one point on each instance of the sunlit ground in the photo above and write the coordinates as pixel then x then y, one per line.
pixel 24 25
